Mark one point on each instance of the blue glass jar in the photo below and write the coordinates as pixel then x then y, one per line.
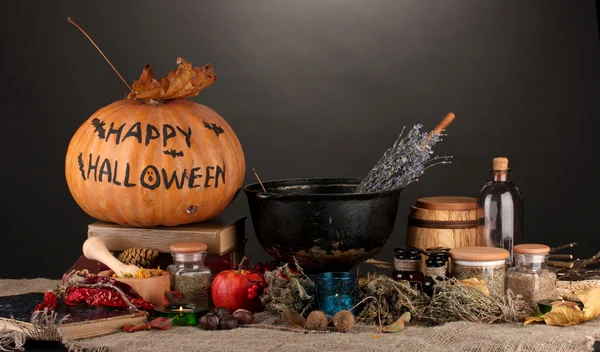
pixel 335 291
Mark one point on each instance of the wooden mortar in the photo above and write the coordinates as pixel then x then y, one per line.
pixel 152 289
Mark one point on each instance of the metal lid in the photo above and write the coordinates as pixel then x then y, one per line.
pixel 447 203
pixel 188 247
pixel 479 253
pixel 531 248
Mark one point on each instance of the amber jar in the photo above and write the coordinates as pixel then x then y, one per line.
pixel 407 265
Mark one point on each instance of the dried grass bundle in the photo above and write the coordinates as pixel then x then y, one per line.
pixel 393 299
pixel 455 302
pixel 287 290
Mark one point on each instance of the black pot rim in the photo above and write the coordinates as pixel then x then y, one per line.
pixel 256 188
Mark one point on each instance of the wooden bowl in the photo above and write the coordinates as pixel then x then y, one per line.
pixel 152 289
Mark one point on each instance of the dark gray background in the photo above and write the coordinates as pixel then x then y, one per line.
pixel 313 89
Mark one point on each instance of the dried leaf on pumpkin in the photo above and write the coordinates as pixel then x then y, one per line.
pixel 564 315
pixel 184 82
pixel 293 319
pixel 476 283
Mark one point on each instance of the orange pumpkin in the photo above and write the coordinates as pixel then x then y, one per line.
pixel 156 158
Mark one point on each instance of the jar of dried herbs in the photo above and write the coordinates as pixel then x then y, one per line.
pixel 484 263
pixel 531 277
pixel 189 275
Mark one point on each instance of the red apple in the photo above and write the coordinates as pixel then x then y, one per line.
pixel 235 289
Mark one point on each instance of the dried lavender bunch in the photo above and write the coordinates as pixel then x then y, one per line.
pixel 404 162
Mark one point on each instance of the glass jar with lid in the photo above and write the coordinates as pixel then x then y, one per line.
pixel 531 277
pixel 436 268
pixel 407 266
pixel 484 263
pixel 188 273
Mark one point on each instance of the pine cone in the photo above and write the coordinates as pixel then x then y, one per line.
pixel 143 257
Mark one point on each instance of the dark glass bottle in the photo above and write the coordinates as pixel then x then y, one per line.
pixel 407 266
pixel 436 269
pixel 500 211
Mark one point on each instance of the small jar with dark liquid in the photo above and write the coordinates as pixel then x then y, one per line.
pixel 436 269
pixel 407 266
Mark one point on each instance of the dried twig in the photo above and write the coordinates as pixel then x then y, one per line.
pixel 569 245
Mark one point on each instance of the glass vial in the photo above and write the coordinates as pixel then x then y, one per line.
pixel 189 275
pixel 500 211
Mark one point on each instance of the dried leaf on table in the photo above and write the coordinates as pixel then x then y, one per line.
pixel 293 319
pixel 396 326
pixel 161 323
pixel 183 82
pixel 138 327
pixel 476 283
pixel 564 315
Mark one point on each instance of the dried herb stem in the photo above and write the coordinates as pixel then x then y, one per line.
pixel 100 51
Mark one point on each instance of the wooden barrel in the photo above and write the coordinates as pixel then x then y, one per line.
pixel 442 222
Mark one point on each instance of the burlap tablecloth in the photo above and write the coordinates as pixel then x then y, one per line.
pixel 459 336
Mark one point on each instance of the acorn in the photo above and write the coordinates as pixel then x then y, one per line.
pixel 209 321
pixel 228 322
pixel 343 321
pixel 317 320
pixel 244 316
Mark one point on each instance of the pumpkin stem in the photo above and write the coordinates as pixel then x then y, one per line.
pixel 242 262
pixel 101 53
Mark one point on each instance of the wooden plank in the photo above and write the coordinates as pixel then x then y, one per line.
pixel 219 235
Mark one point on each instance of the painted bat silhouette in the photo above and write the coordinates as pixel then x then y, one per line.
pixel 213 126
pixel 173 153
pixel 99 127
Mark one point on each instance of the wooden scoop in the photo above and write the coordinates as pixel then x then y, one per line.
pixel 95 249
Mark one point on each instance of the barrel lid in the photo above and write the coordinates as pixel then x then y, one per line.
pixel 188 247
pixel 531 248
pixel 479 253
pixel 447 203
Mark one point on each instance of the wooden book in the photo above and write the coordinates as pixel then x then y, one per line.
pixel 219 234
pixel 15 312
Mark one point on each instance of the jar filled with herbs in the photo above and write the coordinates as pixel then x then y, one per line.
pixel 484 263
pixel 188 273
pixel 531 277
pixel 407 266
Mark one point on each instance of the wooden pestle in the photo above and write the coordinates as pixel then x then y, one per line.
pixel 95 249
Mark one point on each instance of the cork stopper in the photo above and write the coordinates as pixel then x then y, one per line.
pixel 532 248
pixel 500 163
pixel 188 247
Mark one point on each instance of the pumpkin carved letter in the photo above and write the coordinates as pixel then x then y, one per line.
pixel 156 158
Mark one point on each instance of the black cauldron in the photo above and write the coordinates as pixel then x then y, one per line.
pixel 320 222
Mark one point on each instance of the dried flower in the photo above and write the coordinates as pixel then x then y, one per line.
pixel 404 162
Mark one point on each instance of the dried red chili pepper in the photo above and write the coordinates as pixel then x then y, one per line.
pixel 128 290
pixel 49 302
pixel 102 297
